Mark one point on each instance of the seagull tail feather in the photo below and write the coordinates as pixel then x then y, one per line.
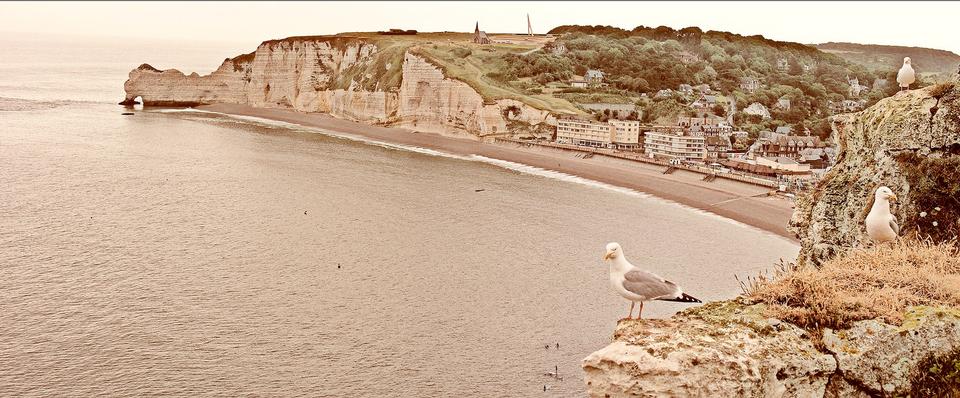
pixel 683 298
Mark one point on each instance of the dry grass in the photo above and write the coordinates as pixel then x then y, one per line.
pixel 864 284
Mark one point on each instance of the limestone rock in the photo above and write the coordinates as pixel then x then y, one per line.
pixel 728 349
pixel 722 349
pixel 909 142
pixel 345 77
pixel 881 359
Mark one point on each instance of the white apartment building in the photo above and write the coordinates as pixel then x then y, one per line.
pixel 674 145
pixel 621 134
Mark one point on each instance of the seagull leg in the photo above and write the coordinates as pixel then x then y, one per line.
pixel 641 310
pixel 630 314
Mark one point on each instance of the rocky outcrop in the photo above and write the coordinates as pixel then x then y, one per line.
pixel 349 78
pixel 729 349
pixel 909 142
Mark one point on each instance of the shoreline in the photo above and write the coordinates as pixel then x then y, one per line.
pixel 738 201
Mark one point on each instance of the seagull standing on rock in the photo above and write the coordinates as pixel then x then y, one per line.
pixel 636 285
pixel 881 224
pixel 906 75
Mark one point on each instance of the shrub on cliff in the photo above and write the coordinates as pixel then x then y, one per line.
pixel 864 284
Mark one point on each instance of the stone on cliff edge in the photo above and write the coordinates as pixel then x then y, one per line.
pixel 722 349
pixel 882 359
pixel 728 349
pixel 909 142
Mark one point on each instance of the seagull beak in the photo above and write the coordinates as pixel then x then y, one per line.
pixel 607 256
pixel 893 198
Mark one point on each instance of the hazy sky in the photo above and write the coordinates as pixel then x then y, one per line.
pixel 925 24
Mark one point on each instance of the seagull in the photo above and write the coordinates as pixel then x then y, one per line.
pixel 906 76
pixel 635 284
pixel 881 224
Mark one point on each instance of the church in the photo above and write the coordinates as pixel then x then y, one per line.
pixel 479 36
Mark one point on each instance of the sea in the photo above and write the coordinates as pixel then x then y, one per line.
pixel 182 253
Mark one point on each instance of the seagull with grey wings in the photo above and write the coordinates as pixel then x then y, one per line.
pixel 906 76
pixel 881 224
pixel 635 284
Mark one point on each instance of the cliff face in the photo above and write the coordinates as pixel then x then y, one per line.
pixel 909 142
pixel 350 78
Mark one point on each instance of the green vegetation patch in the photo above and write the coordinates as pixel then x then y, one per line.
pixel 935 193
pixel 937 376
pixel 481 66
pixel 383 72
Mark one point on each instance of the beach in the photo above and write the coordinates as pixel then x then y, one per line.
pixel 742 202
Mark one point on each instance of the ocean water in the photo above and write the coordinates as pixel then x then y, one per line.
pixel 195 254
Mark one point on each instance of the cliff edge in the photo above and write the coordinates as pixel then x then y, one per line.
pixel 850 319
pixel 909 142
pixel 362 79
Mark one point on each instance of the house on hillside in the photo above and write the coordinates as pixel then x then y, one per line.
pixel 479 36
pixel 593 77
pixel 665 93
pixel 757 109
pixel 704 102
pixel 783 103
pixel 855 87
pixel 749 84
pixel 783 65
pixel 785 130
pixel 555 48
pixel 577 82
pixel 705 126
pixel 703 88
pixel 817 158
pixel 685 89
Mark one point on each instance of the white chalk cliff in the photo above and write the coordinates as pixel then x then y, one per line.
pixel 347 77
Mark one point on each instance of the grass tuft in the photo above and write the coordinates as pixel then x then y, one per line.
pixel 863 284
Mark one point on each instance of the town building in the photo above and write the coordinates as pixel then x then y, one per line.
pixel 817 158
pixel 479 36
pixel 783 103
pixel 674 145
pixel 685 89
pixel 665 93
pixel 757 109
pixel 855 87
pixel 703 88
pixel 704 102
pixel 777 145
pixel 783 65
pixel 717 146
pixel 749 84
pixel 593 77
pixel 619 134
pixel 705 126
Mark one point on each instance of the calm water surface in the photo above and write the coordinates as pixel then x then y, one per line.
pixel 180 253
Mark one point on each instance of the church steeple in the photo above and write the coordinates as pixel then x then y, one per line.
pixel 477 28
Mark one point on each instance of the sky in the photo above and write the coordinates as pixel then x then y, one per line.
pixel 924 24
